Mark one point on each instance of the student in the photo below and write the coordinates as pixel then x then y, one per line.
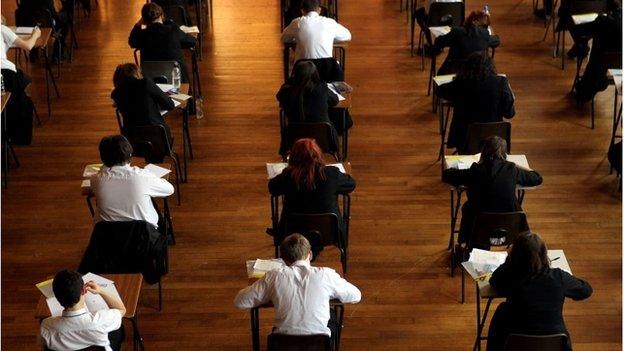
pixel 491 184
pixel 160 40
pixel 19 109
pixel 315 36
pixel 77 328
pixel 463 41
pixel 478 95
pixel 308 185
pixel 535 293
pixel 124 192
pixel 138 99
pixel 299 292
pixel 35 11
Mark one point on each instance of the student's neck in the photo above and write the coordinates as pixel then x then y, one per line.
pixel 76 307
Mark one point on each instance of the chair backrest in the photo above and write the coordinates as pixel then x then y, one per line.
pixel 328 68
pixel 326 224
pixel 33 17
pixel 90 348
pixel 520 342
pixel 478 132
pixel 613 59
pixel 177 14
pixel 588 6
pixel 283 342
pixel 158 71
pixel 322 132
pixel 497 229
pixel 437 10
pixel 149 142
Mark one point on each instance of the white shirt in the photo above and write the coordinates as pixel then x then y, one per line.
pixel 314 35
pixel 124 193
pixel 300 294
pixel 8 38
pixel 76 330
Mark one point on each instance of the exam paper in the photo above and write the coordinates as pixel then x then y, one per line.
pixel 333 89
pixel 91 170
pixel 157 170
pixel 275 169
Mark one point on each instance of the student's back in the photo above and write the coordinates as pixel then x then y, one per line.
pixel 140 102
pixel 315 103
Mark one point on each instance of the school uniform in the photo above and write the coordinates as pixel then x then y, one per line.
pixel 462 42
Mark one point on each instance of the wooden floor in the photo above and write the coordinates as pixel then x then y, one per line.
pixel 400 211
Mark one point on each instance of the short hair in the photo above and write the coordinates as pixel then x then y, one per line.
pixel 494 147
pixel 67 286
pixel 150 12
pixel 125 71
pixel 294 247
pixel 310 5
pixel 115 150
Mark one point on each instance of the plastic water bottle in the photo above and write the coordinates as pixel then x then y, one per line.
pixel 199 111
pixel 486 9
pixel 176 77
pixel 2 82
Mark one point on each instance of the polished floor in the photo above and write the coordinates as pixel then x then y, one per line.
pixel 400 211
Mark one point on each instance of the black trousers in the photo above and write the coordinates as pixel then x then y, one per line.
pixel 19 110
pixel 116 338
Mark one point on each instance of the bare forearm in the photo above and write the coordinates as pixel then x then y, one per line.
pixel 113 302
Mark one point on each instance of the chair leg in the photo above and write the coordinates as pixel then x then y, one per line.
pixel 178 169
pixel 412 38
pixel 563 54
pixel 36 115
pixel 14 155
pixel 430 78
pixel 160 295
pixel 593 113
pixel 463 287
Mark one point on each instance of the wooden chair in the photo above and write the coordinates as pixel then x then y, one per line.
pixel 478 132
pixel 322 132
pixel 520 342
pixel 284 342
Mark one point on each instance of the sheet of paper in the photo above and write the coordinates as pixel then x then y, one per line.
pixel 46 288
pixel 96 278
pixel 274 169
pixel 340 166
pixel 165 87
pixel 55 307
pixel 485 262
pixel 439 31
pixel 584 18
pixel 333 89
pixel 443 79
pixel 24 30
pixel 266 265
pixel 180 97
pixel 86 183
pixel 91 170
pixel 190 30
pixel 176 103
pixel 614 72
pixel 465 161
pixel 157 170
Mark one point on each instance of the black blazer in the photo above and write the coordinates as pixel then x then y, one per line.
pixel 535 305
pixel 316 103
pixel 322 199
pixel 462 42
pixel 162 42
pixel 140 102
pixel 487 100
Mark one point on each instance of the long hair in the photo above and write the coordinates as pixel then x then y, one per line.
pixel 528 257
pixel 125 71
pixel 305 78
pixel 477 19
pixel 494 148
pixel 305 161
pixel 477 66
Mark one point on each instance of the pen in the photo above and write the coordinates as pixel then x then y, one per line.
pixel 554 259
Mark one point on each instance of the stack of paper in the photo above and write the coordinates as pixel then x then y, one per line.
pixel 91 170
pixel 484 261
pixel 584 18
pixel 275 169
pixel 157 170
pixel 439 31
pixel 93 302
pixel 190 30
pixel 258 268
pixel 443 79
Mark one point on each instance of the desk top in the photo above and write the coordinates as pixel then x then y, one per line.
pixel 128 286
pixel 46 33
pixel 5 99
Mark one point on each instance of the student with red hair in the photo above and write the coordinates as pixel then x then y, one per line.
pixel 308 185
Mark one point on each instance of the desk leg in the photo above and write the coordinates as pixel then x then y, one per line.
pixel 477 345
pixel 185 140
pixel 340 319
pixel 521 193
pixel 286 58
pixel 168 221
pixel 137 339
pixel 345 135
pixel 255 329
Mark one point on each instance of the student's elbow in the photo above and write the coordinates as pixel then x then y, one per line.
pixel 122 311
pixel 242 302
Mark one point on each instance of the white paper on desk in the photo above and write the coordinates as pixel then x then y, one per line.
pixel 165 87
pixel 267 265
pixel 461 161
pixel 584 18
pixel 443 79
pixel 339 166
pixel 331 87
pixel 613 72
pixel 190 30
pixel 180 97
pixel 86 183
pixel 439 31
pixel 176 103
pixel 91 170
pixel 484 261
pixel 24 30
pixel 275 169
pixel 252 273
pixel 157 170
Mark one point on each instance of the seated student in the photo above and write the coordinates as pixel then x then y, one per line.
pixel 308 185
pixel 535 293
pixel 491 184
pixel 607 36
pixel 60 12
pixel 462 41
pixel 77 328
pixel 478 95
pixel 124 192
pixel 315 36
pixel 299 292
pixel 139 99
pixel 160 40
pixel 20 106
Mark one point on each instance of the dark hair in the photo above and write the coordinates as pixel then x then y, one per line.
pixel 304 78
pixel 477 19
pixel 494 148
pixel 67 286
pixel 125 71
pixel 115 150
pixel 477 66
pixel 305 160
pixel 310 5
pixel 529 256
pixel 150 12
pixel 294 247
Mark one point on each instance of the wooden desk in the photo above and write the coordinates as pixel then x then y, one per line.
pixel 129 288
pixel 485 291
